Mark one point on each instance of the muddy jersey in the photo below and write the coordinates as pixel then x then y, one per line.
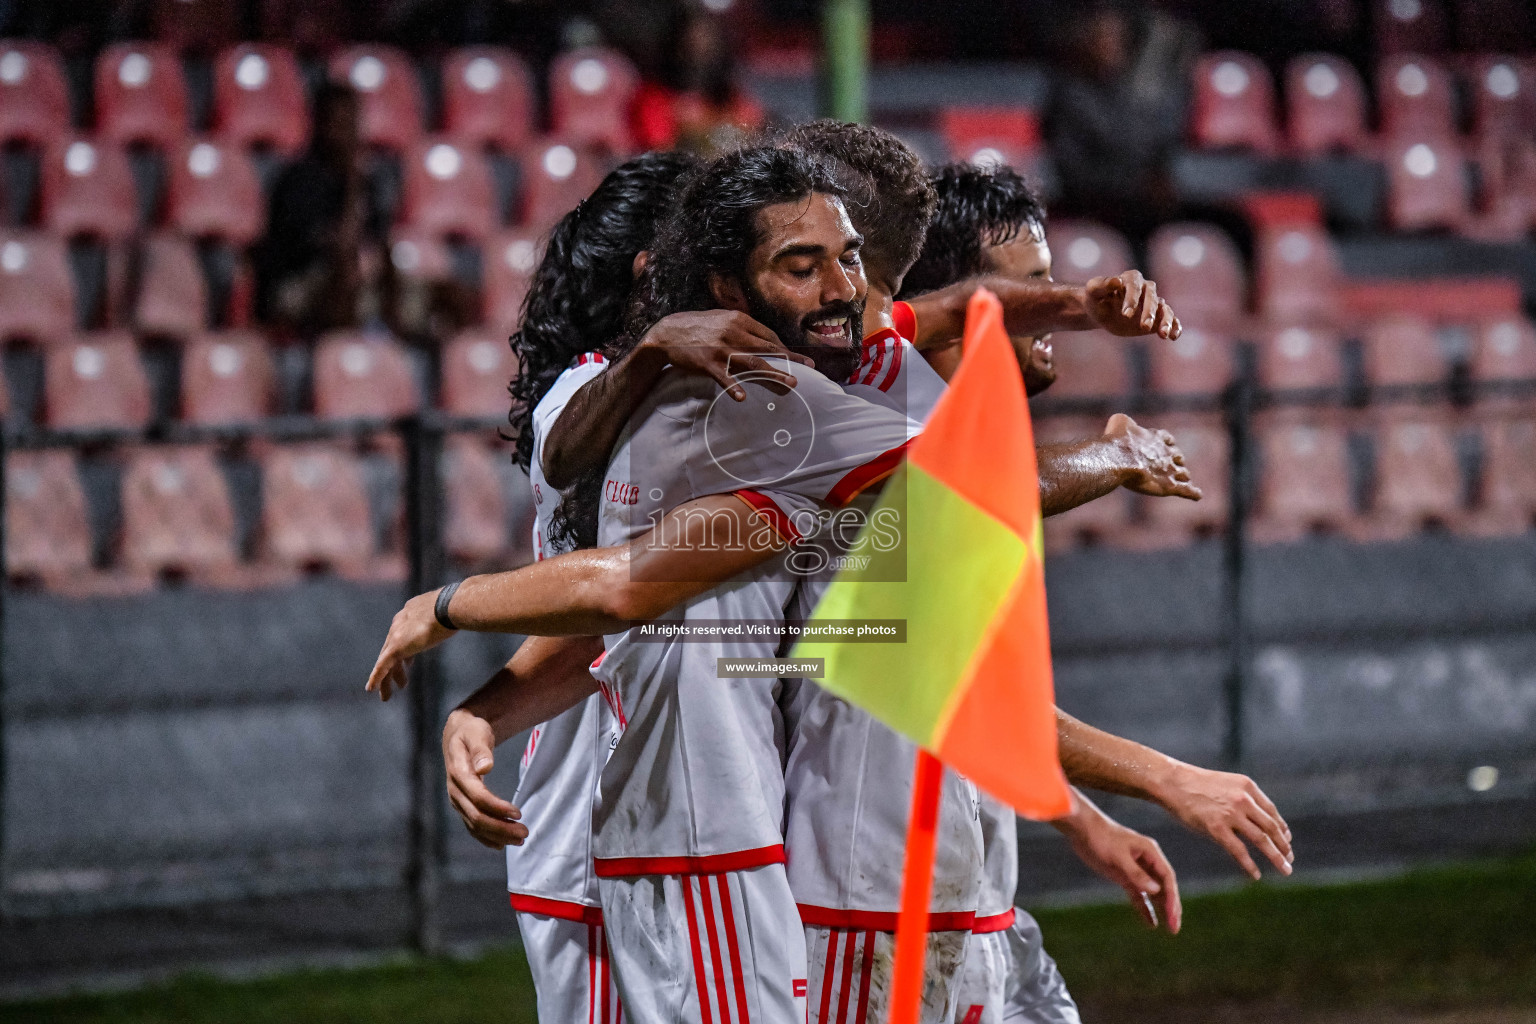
pixel 1000 871
pixel 696 782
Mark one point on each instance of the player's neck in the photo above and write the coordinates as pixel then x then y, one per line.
pixel 878 306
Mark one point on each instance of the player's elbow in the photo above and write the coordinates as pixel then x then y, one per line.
pixel 630 601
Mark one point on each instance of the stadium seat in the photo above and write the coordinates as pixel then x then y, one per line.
pixel 1200 272
pixel 177 514
pixel 1296 274
pixel 1504 349
pixel 37 291
pixel 140 95
pixel 557 174
pixel 1170 522
pixel 1197 362
pixel 1414 95
pixel 34 94
pixel 991 135
pixel 476 368
pixel 212 191
pixel 95 381
pixel 1404 26
pixel 448 190
pixel 1234 103
pixel 1418 473
pixel 1104 521
pixel 172 297
pixel 420 255
pixel 1090 364
pixel 1082 250
pixel 1326 105
pixel 359 376
pixel 1503 96
pixel 85 188
pixel 508 267
pixel 1299 357
pixel 258 98
pixel 475 513
pixel 1426 185
pixel 487 98
pixel 1507 499
pixel 590 90
pixel 390 101
pixel 1403 351
pixel 47 533
pixel 226 378
pixel 314 508
pixel 1305 483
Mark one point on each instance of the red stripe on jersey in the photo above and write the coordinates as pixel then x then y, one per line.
pixel 994 922
pixel 596 358
pixel 740 860
pixel 860 478
pixel 737 974
pixel 868 969
pixel 890 375
pixel 873 355
pixel 905 319
pixel 698 954
pixel 844 989
pixel 772 514
pixel 714 947
pixel 565 910
pixel 836 917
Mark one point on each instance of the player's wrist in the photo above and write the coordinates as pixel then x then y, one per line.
pixel 1166 781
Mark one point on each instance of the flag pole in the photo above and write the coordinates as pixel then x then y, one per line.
pixel 916 888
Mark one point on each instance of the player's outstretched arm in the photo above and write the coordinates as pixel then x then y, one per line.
pixel 546 676
pixel 1127 455
pixel 1131 860
pixel 1228 808
pixel 1126 305
pixel 717 343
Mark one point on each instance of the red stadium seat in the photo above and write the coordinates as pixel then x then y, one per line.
pixel 314 508
pixel 1234 103
pixel 590 90
pixel 1082 250
pixel 556 176
pixel 476 369
pixel 226 378
pixel 47 534
pixel 213 190
pixel 1200 272
pixel 475 513
pixel 1418 473
pixel 448 190
pixel 140 94
pixel 509 264
pixel 1504 350
pixel 1299 357
pixel 420 255
pixel 1197 362
pixel 1326 105
pixel 358 376
pixel 1104 521
pixel 390 102
pixel 1296 274
pixel 991 135
pixel 177 514
pixel 1507 504
pixel 95 381
pixel 1090 364
pixel 1404 351
pixel 258 98
pixel 1426 185
pixel 1414 94
pixel 87 188
pixel 37 291
pixel 172 293
pixel 1206 445
pixel 1305 482
pixel 1504 96
pixel 1404 26
pixel 487 98
pixel 34 95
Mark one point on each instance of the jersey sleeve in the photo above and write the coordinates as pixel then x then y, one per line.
pixel 904 318
pixel 559 395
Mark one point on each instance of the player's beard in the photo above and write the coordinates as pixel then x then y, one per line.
pixel 835 361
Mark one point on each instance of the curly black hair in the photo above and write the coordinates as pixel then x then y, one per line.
pixel 893 224
pixel 580 291
pixel 977 207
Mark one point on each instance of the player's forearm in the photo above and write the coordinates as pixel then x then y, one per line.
pixel 546 676
pixel 1076 472
pixel 584 433
pixel 571 595
pixel 1095 759
pixel 1082 819
pixel 1030 307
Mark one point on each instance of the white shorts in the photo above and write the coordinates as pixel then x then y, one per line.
pixel 1009 977
pixel 851 974
pixel 722 948
pixel 570 968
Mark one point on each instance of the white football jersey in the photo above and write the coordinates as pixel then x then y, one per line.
pixel 1000 871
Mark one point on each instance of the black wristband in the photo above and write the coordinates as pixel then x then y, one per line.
pixel 441 608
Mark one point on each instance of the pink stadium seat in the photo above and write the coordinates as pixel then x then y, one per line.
pixel 590 90
pixel 509 263
pixel 37 292
pixel 258 98
pixel 1414 94
pixel 212 190
pixel 1404 26
pixel 991 135
pixel 1507 502
pixel 420 255
pixel 140 94
pixel 1418 474
pixel 314 508
pixel 172 293
pixel 1305 483
pixel 1504 349
pixel 1082 250
pixel 557 175
pixel 1234 103
pixel 448 190
pixel 475 519
pixel 1503 96
pixel 226 378
pixel 86 188
pixel 358 376
pixel 487 98
pixel 476 368
pixel 177 514
pixel 95 381
pixel 1197 362
pixel 1299 357
pixel 1090 364
pixel 34 95
pixel 47 534
pixel 1403 350
pixel 1296 274
pixel 1426 185
pixel 1206 445
pixel 1200 272
pixel 1104 521
pixel 385 81
pixel 1326 105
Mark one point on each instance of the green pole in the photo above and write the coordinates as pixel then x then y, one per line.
pixel 845 60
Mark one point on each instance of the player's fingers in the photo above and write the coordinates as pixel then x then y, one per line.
pixel 1130 285
pixel 1183 489
pixel 1164 322
pixel 762 372
pixel 1142 903
pixel 1268 806
pixel 757 329
pixel 1137 875
pixel 1173 906
pixel 1228 840
pixel 1276 836
pixel 1178 329
pixel 1148 307
pixel 1261 842
pixel 381 666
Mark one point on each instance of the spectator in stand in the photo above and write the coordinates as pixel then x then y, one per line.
pixel 694 100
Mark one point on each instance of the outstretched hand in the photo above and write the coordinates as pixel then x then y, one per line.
pixel 468 755
pixel 1129 859
pixel 414 629
pixel 723 344
pixel 1231 809
pixel 1158 468
pixel 1127 305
